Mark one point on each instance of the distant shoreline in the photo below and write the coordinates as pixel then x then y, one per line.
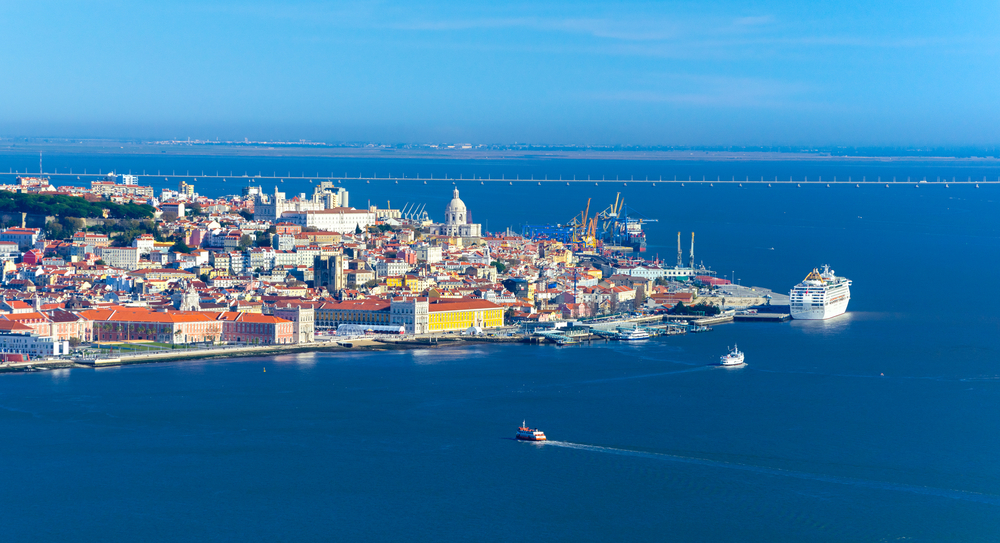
pixel 222 151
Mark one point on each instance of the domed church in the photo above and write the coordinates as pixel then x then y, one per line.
pixel 456 221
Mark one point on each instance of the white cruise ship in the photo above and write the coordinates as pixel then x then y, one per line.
pixel 820 296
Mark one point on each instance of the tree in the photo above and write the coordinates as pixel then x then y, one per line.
pixel 180 247
pixel 698 309
pixel 169 216
pixel 500 266
pixel 370 284
pixel 263 239
pixel 73 223
pixel 74 342
pixel 204 277
pixel 60 205
pixel 100 263
pixel 246 215
pixel 357 229
pixel 194 209
pixel 245 241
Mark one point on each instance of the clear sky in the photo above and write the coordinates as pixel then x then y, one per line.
pixel 852 72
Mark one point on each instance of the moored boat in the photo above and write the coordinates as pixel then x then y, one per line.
pixel 635 334
pixel 529 434
pixel 820 296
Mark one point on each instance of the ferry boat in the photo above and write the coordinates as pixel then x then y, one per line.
pixel 529 434
pixel 732 358
pixel 820 296
pixel 634 334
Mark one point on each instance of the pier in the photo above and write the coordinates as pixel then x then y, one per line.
pixel 763 317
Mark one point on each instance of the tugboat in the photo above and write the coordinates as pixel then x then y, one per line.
pixel 529 434
pixel 733 358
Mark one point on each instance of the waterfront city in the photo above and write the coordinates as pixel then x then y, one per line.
pixel 117 273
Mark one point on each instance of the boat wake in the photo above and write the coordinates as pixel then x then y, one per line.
pixel 990 499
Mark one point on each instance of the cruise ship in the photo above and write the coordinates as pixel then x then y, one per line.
pixel 821 295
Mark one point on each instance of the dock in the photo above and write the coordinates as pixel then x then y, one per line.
pixel 763 317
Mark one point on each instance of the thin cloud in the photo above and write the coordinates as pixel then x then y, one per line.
pixel 716 91
pixel 754 21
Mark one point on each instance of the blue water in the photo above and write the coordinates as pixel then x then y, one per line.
pixel 880 425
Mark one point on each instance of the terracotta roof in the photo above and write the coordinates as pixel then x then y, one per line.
pixel 369 304
pixel 257 318
pixel 10 326
pixel 461 305
pixel 132 314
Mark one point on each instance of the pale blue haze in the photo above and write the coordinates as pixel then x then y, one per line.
pixel 675 73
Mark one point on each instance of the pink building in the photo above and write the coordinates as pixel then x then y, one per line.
pixel 255 329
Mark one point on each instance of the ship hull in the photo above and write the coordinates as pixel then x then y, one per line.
pixel 835 309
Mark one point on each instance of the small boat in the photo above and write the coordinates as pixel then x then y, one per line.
pixel 634 334
pixel 529 434
pixel 733 358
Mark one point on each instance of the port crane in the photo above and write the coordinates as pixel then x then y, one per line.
pixel 615 225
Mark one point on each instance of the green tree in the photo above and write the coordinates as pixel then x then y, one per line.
pixel 245 241
pixel 246 215
pixel 500 266
pixel 60 205
pixel 180 247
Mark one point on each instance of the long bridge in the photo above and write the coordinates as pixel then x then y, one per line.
pixel 249 177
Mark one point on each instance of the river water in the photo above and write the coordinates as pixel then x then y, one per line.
pixel 878 425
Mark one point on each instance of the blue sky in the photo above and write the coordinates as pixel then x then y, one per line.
pixel 664 73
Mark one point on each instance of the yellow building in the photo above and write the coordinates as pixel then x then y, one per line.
pixel 399 281
pixel 459 315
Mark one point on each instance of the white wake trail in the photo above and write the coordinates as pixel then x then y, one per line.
pixel 990 499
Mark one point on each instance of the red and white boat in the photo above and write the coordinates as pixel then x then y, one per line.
pixel 529 434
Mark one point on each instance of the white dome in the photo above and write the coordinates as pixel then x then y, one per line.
pixel 455 212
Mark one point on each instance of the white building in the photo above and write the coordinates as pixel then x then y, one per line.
pixel 457 221
pixel 653 273
pixel 269 207
pixel 343 220
pixel 144 243
pixel 302 318
pixel 391 268
pixel 283 242
pixel 429 254
pixel 25 238
pixel 411 313
pixel 21 339
pixel 126 258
